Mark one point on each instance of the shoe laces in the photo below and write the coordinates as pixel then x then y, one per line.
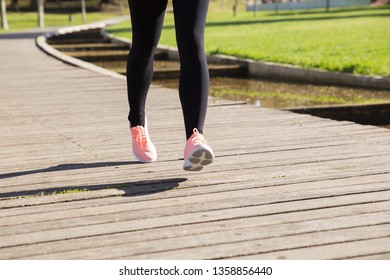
pixel 197 137
pixel 140 137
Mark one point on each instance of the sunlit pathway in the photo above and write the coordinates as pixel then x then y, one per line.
pixel 284 185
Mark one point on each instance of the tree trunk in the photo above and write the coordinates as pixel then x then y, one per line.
pixel 41 13
pixel 84 11
pixel 33 5
pixel 277 6
pixel 327 5
pixel 235 7
pixel 15 5
pixel 4 22
pixel 122 7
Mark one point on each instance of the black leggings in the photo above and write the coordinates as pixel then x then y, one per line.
pixel 147 20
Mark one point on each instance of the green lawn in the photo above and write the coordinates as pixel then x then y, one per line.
pixel 28 20
pixel 350 40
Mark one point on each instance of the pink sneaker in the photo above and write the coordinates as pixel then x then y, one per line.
pixel 197 153
pixel 142 146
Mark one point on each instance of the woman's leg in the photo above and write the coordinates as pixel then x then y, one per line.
pixel 147 18
pixel 190 21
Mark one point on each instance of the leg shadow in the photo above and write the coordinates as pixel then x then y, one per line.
pixel 64 167
pixel 136 188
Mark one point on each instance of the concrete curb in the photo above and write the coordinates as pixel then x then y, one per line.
pixel 292 73
pixel 255 68
pixel 297 74
pixel 41 43
pixel 284 72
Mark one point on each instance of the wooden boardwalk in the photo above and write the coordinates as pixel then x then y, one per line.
pixel 284 185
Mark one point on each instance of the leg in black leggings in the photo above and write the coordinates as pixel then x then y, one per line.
pixel 190 20
pixel 147 18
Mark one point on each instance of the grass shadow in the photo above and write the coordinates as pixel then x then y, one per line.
pixel 268 21
pixel 334 10
pixel 327 16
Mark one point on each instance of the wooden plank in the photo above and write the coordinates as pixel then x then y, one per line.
pixel 378 234
pixel 270 174
pixel 372 256
pixel 289 223
pixel 346 250
pixel 245 223
pixel 332 137
pixel 330 166
pixel 185 188
pixel 194 219
pixel 193 204
pixel 232 247
pixel 51 204
pixel 246 153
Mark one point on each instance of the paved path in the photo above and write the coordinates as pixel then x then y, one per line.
pixel 284 185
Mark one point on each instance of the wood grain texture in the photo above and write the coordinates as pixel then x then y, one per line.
pixel 284 185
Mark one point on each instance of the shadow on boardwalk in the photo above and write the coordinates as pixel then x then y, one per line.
pixel 64 167
pixel 131 188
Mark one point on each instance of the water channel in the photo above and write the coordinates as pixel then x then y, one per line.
pixel 230 83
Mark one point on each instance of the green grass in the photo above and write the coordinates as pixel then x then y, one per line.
pixel 69 191
pixel 29 20
pixel 350 40
pixel 41 194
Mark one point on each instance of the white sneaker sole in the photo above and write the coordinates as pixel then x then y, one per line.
pixel 144 161
pixel 199 157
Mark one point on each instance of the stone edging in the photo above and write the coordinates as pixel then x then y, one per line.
pixel 41 43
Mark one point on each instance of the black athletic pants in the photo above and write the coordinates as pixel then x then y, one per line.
pixel 147 20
